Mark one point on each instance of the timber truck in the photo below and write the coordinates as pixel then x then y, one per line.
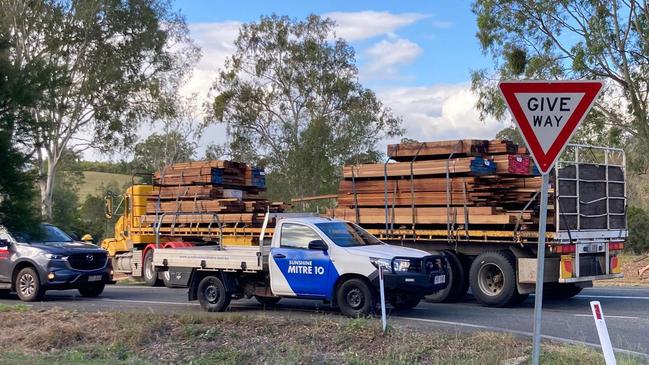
pixel 497 260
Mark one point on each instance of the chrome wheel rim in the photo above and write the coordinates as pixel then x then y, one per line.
pixel 27 284
pixel 491 279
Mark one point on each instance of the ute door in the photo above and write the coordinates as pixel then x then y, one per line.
pixel 297 270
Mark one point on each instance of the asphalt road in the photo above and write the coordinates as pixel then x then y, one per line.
pixel 626 311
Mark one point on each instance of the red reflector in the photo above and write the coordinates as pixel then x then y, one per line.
pixel 616 246
pixel 598 312
pixel 564 248
pixel 614 262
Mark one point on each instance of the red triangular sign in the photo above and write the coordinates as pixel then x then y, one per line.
pixel 548 113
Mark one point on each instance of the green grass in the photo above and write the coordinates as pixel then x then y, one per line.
pixel 57 336
pixel 93 182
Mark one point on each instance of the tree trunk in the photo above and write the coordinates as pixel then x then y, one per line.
pixel 47 171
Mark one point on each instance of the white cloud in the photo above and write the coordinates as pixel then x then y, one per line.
pixel 384 56
pixel 216 41
pixel 442 24
pixel 439 112
pixel 360 25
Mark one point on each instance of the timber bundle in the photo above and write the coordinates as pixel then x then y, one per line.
pixel 209 192
pixel 463 184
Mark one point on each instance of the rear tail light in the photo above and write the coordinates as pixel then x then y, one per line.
pixel 561 249
pixel 616 246
pixel 566 267
pixel 615 265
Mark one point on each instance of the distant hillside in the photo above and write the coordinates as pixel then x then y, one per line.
pixel 94 180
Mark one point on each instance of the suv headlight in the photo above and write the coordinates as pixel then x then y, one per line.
pixel 53 256
pixel 381 263
pixel 401 264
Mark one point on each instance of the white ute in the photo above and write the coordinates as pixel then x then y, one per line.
pixel 310 258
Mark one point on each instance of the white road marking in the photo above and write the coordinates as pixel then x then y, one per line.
pixel 607 316
pixel 522 333
pixel 143 301
pixel 611 297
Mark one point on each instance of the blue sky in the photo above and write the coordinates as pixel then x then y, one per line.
pixel 416 55
pixel 444 31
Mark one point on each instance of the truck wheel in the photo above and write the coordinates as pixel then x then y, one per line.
pixel 148 271
pixel 267 301
pixel 28 286
pixel 404 301
pixel 560 290
pixel 92 290
pixel 458 282
pixel 212 294
pixel 355 298
pixel 166 279
pixel 493 279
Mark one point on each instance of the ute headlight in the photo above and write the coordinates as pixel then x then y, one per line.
pixel 381 263
pixel 53 256
pixel 401 264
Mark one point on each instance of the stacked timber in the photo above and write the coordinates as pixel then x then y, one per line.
pixel 209 193
pixel 477 183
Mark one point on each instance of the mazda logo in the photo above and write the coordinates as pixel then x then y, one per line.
pixel 90 257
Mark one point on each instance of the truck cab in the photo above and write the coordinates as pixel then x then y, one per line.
pixel 317 258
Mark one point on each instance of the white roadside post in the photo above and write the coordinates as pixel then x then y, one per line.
pixel 540 270
pixel 384 319
pixel 547 114
pixel 602 332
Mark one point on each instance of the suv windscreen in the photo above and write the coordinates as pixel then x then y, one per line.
pixel 345 234
pixel 47 234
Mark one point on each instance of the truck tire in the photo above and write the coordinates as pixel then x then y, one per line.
pixel 28 286
pixel 560 290
pixel 404 301
pixel 355 298
pixel 458 282
pixel 212 294
pixel 92 290
pixel 493 279
pixel 148 271
pixel 267 301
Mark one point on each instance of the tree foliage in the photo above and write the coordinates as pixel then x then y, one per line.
pixel 19 90
pixel 160 150
pixel 573 39
pixel 290 99
pixel 112 63
pixel 638 222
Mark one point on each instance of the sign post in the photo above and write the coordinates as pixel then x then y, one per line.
pixel 602 332
pixel 384 320
pixel 547 114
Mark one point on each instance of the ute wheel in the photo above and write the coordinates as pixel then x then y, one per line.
pixel 92 290
pixel 148 271
pixel 267 301
pixel 212 294
pixel 355 298
pixel 493 279
pixel 404 301
pixel 560 290
pixel 458 282
pixel 28 286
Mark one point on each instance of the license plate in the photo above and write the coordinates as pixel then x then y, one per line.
pixel 94 278
pixel 440 279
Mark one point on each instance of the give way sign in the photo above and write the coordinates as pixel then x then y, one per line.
pixel 548 113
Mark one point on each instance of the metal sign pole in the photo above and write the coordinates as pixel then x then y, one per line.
pixel 540 266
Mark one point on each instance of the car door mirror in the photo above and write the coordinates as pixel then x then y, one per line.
pixel 4 243
pixel 74 236
pixel 318 245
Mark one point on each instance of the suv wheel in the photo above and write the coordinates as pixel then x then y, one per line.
pixel 28 286
pixel 92 290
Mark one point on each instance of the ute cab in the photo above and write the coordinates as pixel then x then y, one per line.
pixel 317 258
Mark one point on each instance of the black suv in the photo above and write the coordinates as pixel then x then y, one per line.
pixel 51 260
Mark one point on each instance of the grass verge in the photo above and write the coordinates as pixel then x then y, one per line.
pixel 56 336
